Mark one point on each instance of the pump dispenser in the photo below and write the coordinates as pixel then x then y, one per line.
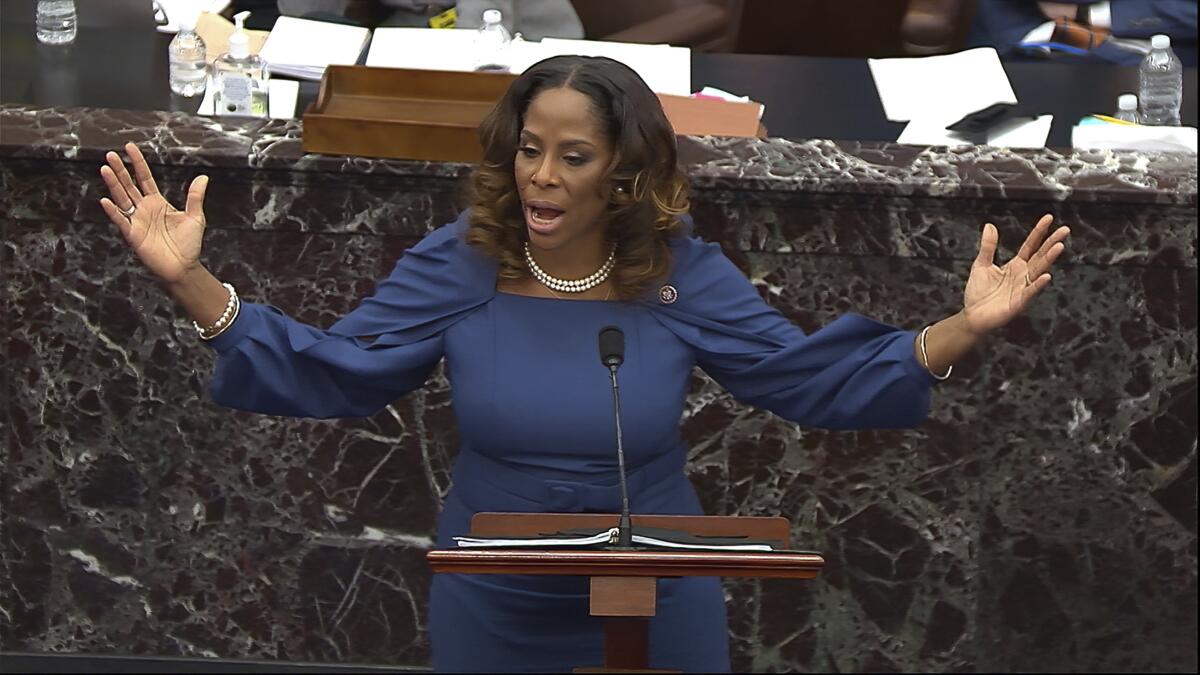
pixel 240 77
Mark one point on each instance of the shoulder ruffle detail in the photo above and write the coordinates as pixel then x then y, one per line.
pixel 434 285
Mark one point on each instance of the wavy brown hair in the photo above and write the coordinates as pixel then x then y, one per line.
pixel 641 217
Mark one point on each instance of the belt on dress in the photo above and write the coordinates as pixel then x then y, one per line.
pixel 482 480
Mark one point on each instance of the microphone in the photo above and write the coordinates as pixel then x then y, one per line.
pixel 612 355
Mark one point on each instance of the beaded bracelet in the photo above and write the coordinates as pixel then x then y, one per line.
pixel 232 306
pixel 925 357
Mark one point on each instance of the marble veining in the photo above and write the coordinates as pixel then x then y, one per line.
pixel 776 165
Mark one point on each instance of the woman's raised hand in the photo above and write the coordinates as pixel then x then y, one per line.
pixel 166 239
pixel 996 294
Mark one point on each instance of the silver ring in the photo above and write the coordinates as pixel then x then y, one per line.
pixel 129 213
pixel 1027 281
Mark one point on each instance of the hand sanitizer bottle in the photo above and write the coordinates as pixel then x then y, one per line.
pixel 239 77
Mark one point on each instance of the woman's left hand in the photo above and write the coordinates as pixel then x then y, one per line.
pixel 995 294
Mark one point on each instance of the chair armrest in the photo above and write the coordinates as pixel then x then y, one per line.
pixel 931 26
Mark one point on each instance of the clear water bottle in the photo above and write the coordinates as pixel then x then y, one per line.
pixel 1160 84
pixel 189 59
pixel 1127 105
pixel 491 44
pixel 55 21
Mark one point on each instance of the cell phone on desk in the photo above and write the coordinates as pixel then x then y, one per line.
pixel 981 120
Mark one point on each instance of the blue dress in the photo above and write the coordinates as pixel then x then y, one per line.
pixel 534 411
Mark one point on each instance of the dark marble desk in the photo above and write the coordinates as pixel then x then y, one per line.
pixel 1044 518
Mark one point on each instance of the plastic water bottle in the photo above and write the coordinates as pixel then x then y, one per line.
pixel 1160 84
pixel 491 44
pixel 55 21
pixel 189 59
pixel 1127 105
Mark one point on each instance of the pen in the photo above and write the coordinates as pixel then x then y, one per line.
pixel 1114 120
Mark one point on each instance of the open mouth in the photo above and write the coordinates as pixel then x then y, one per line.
pixel 542 220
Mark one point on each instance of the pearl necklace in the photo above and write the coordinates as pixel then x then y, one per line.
pixel 571 286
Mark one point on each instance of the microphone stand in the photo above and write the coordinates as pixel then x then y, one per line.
pixel 625 526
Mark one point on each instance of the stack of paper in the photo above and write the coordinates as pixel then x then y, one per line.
pixel 651 537
pixel 304 48
pixel 666 69
pixel 1090 134
pixel 933 92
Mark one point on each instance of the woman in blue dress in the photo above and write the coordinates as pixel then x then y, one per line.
pixel 578 221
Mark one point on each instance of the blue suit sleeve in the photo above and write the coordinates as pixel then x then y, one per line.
pixel 270 363
pixel 854 373
pixel 1144 18
pixel 1003 23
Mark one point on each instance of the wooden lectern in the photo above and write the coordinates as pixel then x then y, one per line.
pixel 624 583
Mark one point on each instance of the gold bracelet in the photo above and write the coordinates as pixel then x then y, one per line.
pixel 925 357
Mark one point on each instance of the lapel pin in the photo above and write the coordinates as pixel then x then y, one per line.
pixel 667 294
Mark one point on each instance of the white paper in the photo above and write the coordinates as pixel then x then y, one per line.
pixel 722 94
pixel 491 542
pixel 171 10
pixel 303 48
pixel 942 88
pixel 1020 133
pixel 652 541
pixel 281 98
pixel 1043 33
pixel 665 69
pixel 1134 137
pixel 454 49
pixel 207 104
pixel 726 96
pixel 600 538
pixel 423 48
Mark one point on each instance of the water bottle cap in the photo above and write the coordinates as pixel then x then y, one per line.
pixel 187 21
pixel 1161 42
pixel 1127 102
pixel 491 16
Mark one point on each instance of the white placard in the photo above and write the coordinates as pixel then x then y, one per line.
pixel 665 69
pixel 942 88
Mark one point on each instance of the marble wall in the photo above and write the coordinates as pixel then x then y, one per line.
pixel 1044 518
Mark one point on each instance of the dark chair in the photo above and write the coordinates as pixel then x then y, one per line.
pixel 936 26
pixel 704 26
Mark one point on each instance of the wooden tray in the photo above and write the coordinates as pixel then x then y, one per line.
pixel 433 115
pixel 401 113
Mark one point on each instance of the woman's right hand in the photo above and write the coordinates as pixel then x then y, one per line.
pixel 166 239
